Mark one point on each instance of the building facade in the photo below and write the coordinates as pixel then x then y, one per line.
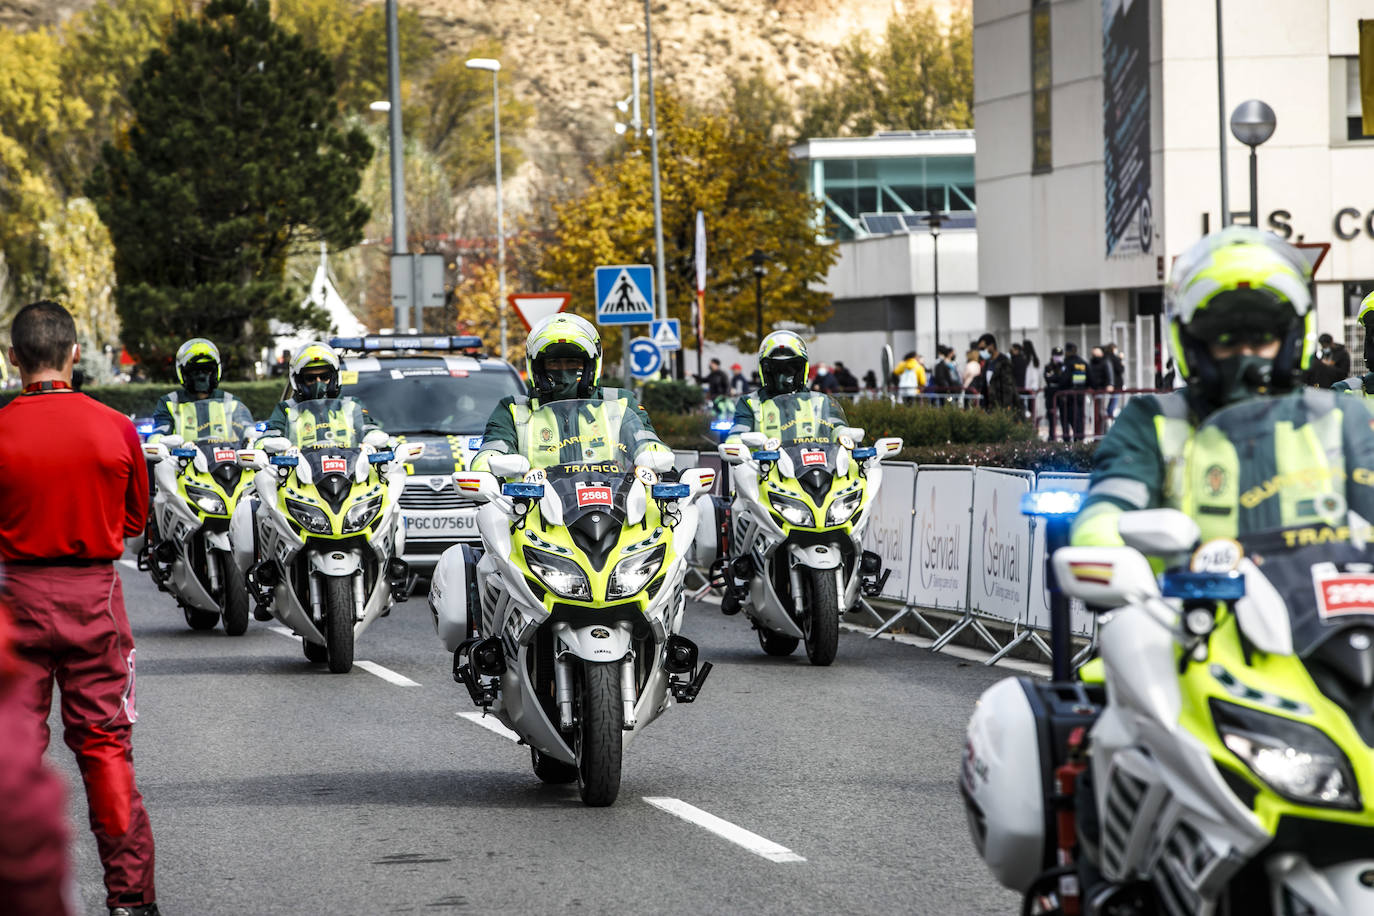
pixel 1098 157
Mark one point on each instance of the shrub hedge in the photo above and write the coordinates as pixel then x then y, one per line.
pixel 1035 455
pixel 139 400
pixel 667 397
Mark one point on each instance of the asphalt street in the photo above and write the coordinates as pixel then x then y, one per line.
pixel 276 787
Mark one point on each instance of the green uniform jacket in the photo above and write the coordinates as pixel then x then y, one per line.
pixel 500 436
pixel 220 416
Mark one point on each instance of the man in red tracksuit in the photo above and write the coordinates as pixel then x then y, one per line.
pixel 72 486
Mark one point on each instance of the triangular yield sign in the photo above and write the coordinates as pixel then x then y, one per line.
pixel 535 307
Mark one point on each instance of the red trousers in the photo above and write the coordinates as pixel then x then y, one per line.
pixel 70 627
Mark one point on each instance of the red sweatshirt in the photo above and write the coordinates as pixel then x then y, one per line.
pixel 73 482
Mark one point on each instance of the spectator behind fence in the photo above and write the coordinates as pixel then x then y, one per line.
pixel 825 381
pixel 1118 372
pixel 1073 379
pixel 910 376
pixel 845 379
pixel 1031 381
pixel 999 376
pixel 64 512
pixel 1054 371
pixel 1019 362
pixel 972 377
pixel 717 385
pixel 738 383
pixel 945 378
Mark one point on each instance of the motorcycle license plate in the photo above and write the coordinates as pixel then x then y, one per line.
pixel 437 523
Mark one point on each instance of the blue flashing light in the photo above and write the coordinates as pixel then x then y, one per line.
pixel 183 453
pixel 670 491
pixel 145 429
pixel 523 490
pixel 1210 586
pixel 284 461
pixel 722 426
pixel 1051 502
pixel 866 451
pixel 769 455
pixel 381 457
pixel 475 443
pixel 260 426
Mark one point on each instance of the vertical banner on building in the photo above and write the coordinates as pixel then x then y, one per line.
pixel 1129 221
pixel 999 564
pixel 889 527
pixel 940 545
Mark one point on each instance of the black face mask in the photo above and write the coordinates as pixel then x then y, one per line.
pixel 200 380
pixel 1243 376
pixel 565 382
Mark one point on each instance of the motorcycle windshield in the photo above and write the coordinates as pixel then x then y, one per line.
pixel 584 450
pixel 806 426
pixel 217 451
pixel 327 423
pixel 1298 474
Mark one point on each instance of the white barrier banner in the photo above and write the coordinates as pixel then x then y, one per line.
pixel 999 580
pixel 1038 611
pixel 889 527
pixel 940 537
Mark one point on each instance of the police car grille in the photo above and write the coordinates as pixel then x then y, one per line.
pixel 422 499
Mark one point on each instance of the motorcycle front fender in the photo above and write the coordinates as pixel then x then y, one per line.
pixel 815 556
pixel 218 540
pixel 336 562
pixel 596 643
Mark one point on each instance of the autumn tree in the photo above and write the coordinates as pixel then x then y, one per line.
pixel 920 77
pixel 744 182
pixel 233 162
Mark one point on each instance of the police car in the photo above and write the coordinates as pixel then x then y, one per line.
pixel 437 390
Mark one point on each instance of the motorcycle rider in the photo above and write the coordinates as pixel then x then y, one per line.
pixel 1363 384
pixel 1242 326
pixel 198 410
pixel 317 414
pixel 563 362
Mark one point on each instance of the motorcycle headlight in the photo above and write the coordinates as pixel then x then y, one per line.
pixel 794 510
pixel 207 501
pixel 843 508
pixel 563 577
pixel 310 518
pixel 1297 761
pixel 361 515
pixel 633 573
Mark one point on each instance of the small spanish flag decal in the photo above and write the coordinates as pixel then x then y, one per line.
pixel 1096 573
pixel 470 484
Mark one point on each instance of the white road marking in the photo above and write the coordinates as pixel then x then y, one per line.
pixel 726 830
pixel 132 564
pixel 490 723
pixel 386 674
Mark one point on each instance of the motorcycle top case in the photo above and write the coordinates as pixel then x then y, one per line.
pixel 1017 738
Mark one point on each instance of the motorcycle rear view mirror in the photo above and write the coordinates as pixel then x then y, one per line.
pixel 1160 532
pixel 478 486
pixel 1106 577
pixel 753 440
pixel 252 458
pixel 154 451
pixel 888 446
pixel 853 433
pixel 731 453
pixel 407 452
pixel 509 465
pixel 701 480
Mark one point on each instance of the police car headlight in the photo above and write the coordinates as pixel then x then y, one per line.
pixel 843 508
pixel 563 577
pixel 633 573
pixel 206 501
pixel 361 515
pixel 310 518
pixel 1297 761
pixel 793 510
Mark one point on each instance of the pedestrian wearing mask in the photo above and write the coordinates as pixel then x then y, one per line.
pixel 1054 371
pixel 1073 379
pixel 998 373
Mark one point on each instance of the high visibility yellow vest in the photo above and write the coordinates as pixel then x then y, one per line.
pixel 211 418
pixel 338 424
pixel 801 422
pixel 539 438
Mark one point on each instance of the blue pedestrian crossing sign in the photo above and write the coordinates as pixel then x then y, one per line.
pixel 625 294
pixel 667 333
pixel 645 358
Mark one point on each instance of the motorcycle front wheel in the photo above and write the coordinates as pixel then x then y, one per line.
pixel 598 735
pixel 235 597
pixel 822 622
pixel 338 613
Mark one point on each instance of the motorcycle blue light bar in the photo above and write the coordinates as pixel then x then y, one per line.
pixel 145 428
pixel 1227 586
pixel 381 457
pixel 183 453
pixel 670 491
pixel 1051 502
pixel 523 490
pixel 722 426
pixel 866 451
pixel 475 443
pixel 771 455
pixel 374 342
pixel 260 426
pixel 284 461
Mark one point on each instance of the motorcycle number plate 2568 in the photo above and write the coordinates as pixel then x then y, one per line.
pixel 441 524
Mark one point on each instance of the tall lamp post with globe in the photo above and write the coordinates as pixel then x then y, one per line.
pixel 1252 123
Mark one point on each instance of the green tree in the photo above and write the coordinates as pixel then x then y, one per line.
pixel 919 78
pixel 747 187
pixel 233 162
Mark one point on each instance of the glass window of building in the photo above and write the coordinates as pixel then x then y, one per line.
pixel 1040 86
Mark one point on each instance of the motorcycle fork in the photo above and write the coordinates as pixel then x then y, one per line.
pixel 316 600
pixel 211 567
pixel 359 596
pixel 799 596
pixel 563 690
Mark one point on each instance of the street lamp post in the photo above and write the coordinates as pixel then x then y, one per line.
pixel 759 259
pixel 935 219
pixel 487 63
pixel 400 244
pixel 1252 123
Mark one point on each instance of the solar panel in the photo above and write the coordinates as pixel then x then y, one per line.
pixel 882 223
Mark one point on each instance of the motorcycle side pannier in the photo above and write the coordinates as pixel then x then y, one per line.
pixel 453 595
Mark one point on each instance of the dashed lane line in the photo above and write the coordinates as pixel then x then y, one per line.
pixel 490 723
pixel 722 828
pixel 129 563
pixel 381 671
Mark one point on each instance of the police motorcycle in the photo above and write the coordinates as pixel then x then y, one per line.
pixel 1225 766
pixel 565 625
pixel 803 498
pixel 321 552
pixel 198 485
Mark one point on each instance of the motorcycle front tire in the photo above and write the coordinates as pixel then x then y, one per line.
pixel 822 617
pixel 599 731
pixel 338 613
pixel 235 597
